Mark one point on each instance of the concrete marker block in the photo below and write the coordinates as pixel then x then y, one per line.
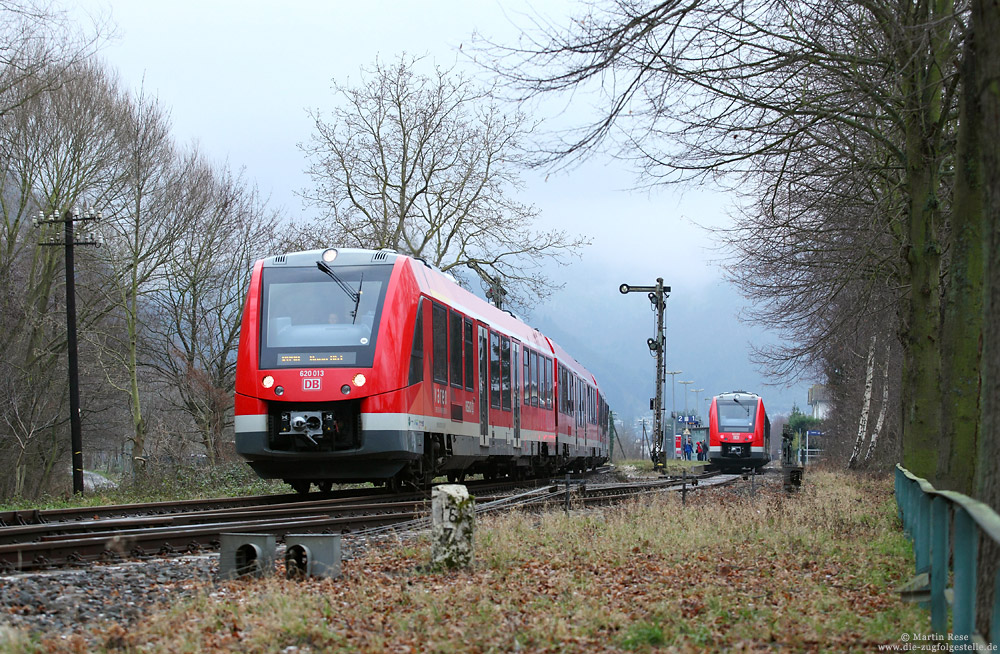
pixel 312 555
pixel 453 513
pixel 242 555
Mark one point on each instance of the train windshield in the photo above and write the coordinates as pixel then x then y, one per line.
pixel 310 320
pixel 736 415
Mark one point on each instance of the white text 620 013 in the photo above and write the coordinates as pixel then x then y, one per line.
pixel 311 373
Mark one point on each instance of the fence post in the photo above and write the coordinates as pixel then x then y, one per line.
pixel 966 552
pixel 939 564
pixel 922 532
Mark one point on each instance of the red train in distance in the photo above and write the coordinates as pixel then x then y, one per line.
pixel 739 431
pixel 361 365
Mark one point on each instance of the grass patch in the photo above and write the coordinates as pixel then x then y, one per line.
pixel 814 571
pixel 165 484
pixel 643 635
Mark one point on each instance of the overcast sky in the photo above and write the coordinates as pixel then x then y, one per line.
pixel 238 78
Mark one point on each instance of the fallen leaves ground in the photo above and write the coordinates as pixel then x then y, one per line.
pixel 813 571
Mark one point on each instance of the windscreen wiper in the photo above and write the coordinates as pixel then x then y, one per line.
pixel 351 293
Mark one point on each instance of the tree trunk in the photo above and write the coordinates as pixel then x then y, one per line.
pixel 865 407
pixel 923 91
pixel 132 324
pixel 961 323
pixel 20 472
pixel 922 356
pixel 986 21
pixel 138 422
pixel 885 405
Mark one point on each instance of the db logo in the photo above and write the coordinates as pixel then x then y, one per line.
pixel 311 384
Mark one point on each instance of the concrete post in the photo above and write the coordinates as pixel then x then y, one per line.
pixel 453 514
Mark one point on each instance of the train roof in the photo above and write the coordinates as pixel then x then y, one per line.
pixel 344 257
pixel 740 395
pixel 441 286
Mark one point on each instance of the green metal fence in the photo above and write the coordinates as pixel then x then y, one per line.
pixel 942 523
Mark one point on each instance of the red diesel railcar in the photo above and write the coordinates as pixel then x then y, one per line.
pixel 361 365
pixel 739 431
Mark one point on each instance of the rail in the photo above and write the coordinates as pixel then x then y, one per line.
pixel 936 520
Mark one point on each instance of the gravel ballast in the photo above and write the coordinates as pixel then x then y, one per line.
pixel 63 602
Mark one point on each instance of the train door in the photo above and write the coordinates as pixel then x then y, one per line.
pixel 484 386
pixel 579 410
pixel 439 358
pixel 515 354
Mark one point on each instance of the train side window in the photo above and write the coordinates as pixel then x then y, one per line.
pixel 505 386
pixel 494 370
pixel 527 377
pixel 457 365
pixel 534 379
pixel 439 325
pixel 540 380
pixel 548 383
pixel 562 390
pixel 417 351
pixel 470 377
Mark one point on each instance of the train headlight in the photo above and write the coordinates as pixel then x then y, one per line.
pixel 345 389
pixel 329 255
pixel 278 390
pixel 267 382
pixel 359 380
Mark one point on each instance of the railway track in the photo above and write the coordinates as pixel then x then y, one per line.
pixel 42 539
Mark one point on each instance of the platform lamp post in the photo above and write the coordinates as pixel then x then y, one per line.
pixel 72 237
pixel 673 408
pixel 657 296
pixel 686 383
pixel 697 398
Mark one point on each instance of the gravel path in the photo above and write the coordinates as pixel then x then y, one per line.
pixel 59 603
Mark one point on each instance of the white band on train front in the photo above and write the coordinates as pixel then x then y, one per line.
pixel 250 423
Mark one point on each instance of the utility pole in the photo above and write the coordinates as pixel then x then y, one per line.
pixel 657 296
pixel 71 238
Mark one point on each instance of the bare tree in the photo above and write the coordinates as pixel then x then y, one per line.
pixel 56 150
pixel 142 223
pixel 865 407
pixel 40 46
pixel 880 421
pixel 195 326
pixel 757 90
pixel 29 419
pixel 426 165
